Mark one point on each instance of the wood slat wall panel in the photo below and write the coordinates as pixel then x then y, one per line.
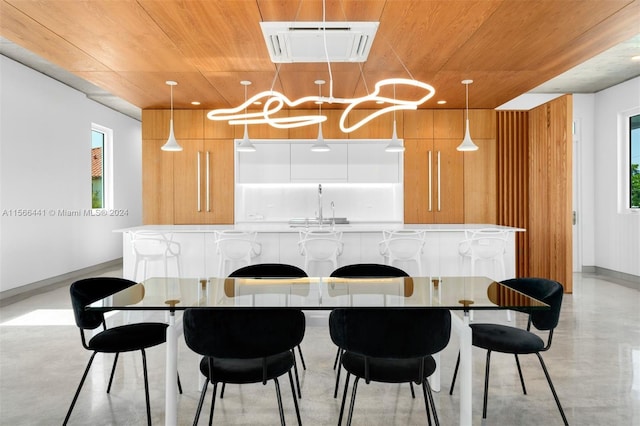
pixel 513 189
pixel 550 197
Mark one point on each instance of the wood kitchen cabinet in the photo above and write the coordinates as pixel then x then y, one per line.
pixel 172 188
pixel 433 181
pixel 203 182
pixel 433 168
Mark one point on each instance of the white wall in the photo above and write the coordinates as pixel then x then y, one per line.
pixel 45 133
pixel 617 235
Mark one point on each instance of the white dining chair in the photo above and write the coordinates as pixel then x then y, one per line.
pixel 403 248
pixel 485 250
pixel 318 248
pixel 152 246
pixel 235 249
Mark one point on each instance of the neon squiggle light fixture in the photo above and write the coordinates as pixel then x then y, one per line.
pixel 275 101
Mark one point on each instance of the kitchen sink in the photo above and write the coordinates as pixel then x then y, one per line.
pixel 314 221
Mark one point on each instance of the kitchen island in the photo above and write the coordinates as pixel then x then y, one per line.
pixel 279 244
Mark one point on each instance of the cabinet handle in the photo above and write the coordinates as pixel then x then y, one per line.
pixel 438 180
pixel 207 184
pixel 198 180
pixel 430 183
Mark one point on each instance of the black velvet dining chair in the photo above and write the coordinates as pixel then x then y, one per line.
pixel 124 338
pixel 241 346
pixel 389 345
pixel 519 341
pixel 363 270
pixel 273 270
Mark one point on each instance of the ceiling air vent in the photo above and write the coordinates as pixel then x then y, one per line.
pixel 305 41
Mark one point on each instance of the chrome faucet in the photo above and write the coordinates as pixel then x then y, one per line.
pixel 320 204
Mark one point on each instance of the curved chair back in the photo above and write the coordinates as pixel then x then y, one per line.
pixel 86 291
pixel 390 333
pixel 269 270
pixel 403 246
pixel 151 246
pixel 243 333
pixel 320 246
pixel 235 247
pixel 545 290
pixel 488 243
pixel 368 270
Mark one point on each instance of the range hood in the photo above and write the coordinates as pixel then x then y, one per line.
pixel 305 41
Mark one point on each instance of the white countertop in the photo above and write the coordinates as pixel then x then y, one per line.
pixel 282 227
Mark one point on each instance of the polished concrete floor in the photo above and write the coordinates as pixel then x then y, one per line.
pixel 594 363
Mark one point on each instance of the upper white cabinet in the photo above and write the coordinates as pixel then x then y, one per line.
pixel 310 166
pixel 294 162
pixel 370 163
pixel 269 163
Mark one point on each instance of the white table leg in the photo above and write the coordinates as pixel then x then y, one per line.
pixel 171 384
pixel 435 377
pixel 461 327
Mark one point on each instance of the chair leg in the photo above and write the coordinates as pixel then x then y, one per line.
pixel 179 385
pixel 455 374
pixel 201 401
pixel 295 370
pixel 344 398
pixel 304 366
pixel 224 385
pixel 335 362
pixel 213 403
pixel 75 397
pixel 426 402
pixel 433 403
pixel 335 390
pixel 486 386
pixel 553 390
pixel 113 370
pixel 353 400
pixel 280 410
pixel 295 400
pixel 146 385
pixel 524 389
pixel 413 393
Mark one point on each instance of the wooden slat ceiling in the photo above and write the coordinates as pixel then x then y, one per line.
pixel 131 47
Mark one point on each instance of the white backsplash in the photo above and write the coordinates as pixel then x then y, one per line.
pixel 282 202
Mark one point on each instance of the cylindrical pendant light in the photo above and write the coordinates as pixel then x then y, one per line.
pixel 395 145
pixel 246 145
pixel 171 144
pixel 320 145
pixel 467 144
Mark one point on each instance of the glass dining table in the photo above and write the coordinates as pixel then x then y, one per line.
pixel 461 294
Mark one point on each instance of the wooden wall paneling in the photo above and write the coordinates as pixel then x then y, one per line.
pixel 448 124
pixel 379 128
pixel 550 188
pixel 188 124
pixel 418 124
pixel 416 181
pixel 263 131
pixel 155 124
pixel 185 183
pixel 482 124
pixel 218 129
pixel 157 183
pixel 221 180
pixel 448 181
pixel 480 186
pixel 512 131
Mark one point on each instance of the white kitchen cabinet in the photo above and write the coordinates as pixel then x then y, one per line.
pixel 310 166
pixel 370 163
pixel 270 163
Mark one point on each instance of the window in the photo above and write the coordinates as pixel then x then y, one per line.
pixel 101 176
pixel 634 161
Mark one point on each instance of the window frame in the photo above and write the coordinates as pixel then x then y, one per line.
pixel 107 165
pixel 624 161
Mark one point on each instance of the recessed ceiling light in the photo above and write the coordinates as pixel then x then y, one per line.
pixel 195 103
pixel 635 58
pixel 442 102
